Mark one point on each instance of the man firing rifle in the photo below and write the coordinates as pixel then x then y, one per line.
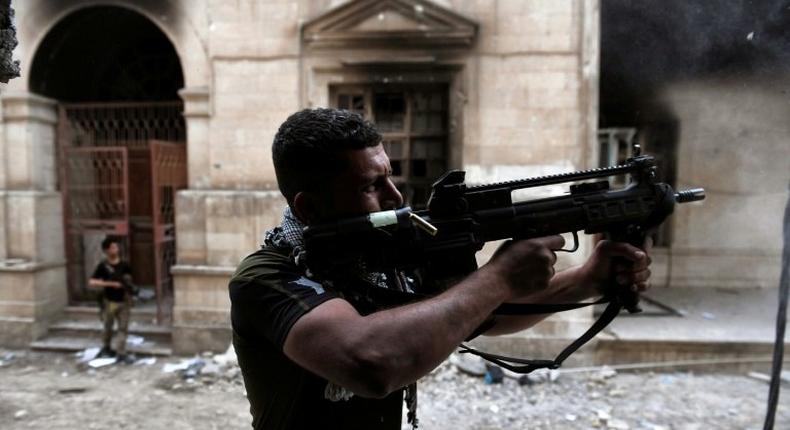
pixel 311 355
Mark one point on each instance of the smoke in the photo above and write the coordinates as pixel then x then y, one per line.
pixel 647 43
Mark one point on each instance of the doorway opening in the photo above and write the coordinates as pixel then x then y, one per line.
pixel 121 143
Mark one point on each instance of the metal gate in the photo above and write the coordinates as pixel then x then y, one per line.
pixel 168 175
pixel 121 165
pixel 96 203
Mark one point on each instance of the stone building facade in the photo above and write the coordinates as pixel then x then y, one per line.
pixel 500 88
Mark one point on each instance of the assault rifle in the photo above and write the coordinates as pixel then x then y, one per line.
pixel 441 241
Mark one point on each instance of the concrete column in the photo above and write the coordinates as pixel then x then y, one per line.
pixel 30 128
pixel 32 264
pixel 197 113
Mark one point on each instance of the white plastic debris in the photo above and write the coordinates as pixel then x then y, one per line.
pixel 134 340
pixel 20 414
pixel 759 376
pixel 147 361
pixel 469 364
pixel 210 369
pixel 228 358
pixel 101 362
pixel 603 415
pixel 607 372
pixel 618 425
pixel 174 367
pixel 88 354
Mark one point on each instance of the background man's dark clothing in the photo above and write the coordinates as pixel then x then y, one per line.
pixel 117 303
pixel 112 272
pixel 269 293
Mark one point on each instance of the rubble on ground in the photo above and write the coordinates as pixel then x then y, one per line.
pixel 48 390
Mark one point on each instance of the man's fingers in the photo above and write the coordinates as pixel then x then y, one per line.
pixel 641 264
pixel 552 242
pixel 625 250
pixel 627 278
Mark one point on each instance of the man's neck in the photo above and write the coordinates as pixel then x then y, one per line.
pixel 114 260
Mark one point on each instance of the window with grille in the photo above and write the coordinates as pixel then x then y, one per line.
pixel 413 123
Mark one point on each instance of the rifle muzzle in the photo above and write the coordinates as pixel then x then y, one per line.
pixel 690 195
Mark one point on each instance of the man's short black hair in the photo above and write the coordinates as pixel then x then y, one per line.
pixel 306 148
pixel 109 240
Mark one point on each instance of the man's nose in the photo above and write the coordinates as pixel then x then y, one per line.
pixel 393 198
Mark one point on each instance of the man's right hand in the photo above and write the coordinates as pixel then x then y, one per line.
pixel 526 266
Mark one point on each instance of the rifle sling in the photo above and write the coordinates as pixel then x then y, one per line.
pixel 384 298
pixel 528 365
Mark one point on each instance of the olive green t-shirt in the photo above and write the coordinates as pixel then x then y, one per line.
pixel 268 294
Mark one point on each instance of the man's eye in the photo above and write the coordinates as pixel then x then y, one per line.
pixel 372 188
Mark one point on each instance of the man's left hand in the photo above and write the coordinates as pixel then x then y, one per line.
pixel 602 266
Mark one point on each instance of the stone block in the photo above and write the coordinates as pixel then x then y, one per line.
pixel 3 236
pixel 251 28
pixel 529 110
pixel 715 268
pixel 252 99
pixel 29 141
pixel 31 296
pixel 542 25
pixel 201 294
pixel 201 316
pixel 34 226
pixel 197 111
pixel 18 332
pixel 191 227
pixel 194 339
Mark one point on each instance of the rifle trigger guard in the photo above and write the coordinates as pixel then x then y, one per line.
pixel 575 243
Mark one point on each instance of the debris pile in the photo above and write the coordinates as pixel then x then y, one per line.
pixel 206 368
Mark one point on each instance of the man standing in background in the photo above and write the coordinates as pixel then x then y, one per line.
pixel 114 277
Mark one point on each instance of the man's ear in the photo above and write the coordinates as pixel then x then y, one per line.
pixel 306 207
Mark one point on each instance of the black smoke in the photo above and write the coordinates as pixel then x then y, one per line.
pixel 647 43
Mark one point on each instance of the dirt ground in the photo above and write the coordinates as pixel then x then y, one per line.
pixel 55 391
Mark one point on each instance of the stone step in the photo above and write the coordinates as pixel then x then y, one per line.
pixel 75 344
pixel 93 328
pixel 141 314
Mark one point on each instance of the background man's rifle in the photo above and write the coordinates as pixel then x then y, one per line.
pixel 441 241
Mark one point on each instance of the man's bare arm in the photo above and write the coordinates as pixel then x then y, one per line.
pixel 100 283
pixel 379 353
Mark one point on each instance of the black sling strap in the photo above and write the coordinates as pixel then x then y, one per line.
pixel 521 365
pixel 363 291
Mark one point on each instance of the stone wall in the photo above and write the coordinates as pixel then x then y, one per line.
pixel 523 102
pixel 733 142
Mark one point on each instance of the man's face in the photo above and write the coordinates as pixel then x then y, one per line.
pixel 364 184
pixel 112 250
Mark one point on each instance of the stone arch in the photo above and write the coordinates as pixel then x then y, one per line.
pixel 106 54
pixel 171 19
